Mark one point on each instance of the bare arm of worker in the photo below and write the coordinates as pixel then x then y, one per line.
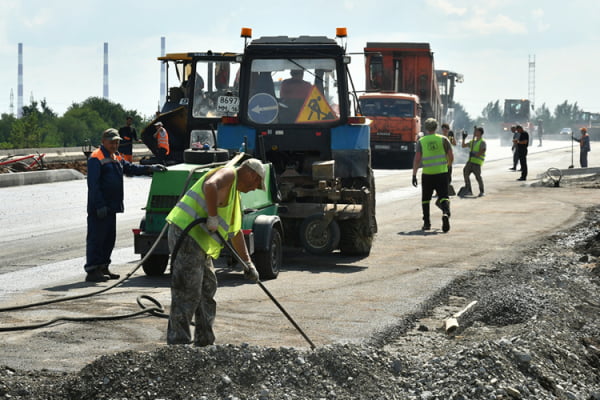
pixel 216 189
pixel 239 244
pixel 465 144
pixel 450 156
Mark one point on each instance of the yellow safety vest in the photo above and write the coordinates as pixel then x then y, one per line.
pixel 433 158
pixel 193 206
pixel 473 158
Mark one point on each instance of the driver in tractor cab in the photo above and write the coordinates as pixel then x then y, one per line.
pixel 295 87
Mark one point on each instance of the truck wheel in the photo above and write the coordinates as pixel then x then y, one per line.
pixel 269 261
pixel 354 240
pixel 156 264
pixel 205 156
pixel 319 237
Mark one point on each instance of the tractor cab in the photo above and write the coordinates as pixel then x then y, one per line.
pixel 202 88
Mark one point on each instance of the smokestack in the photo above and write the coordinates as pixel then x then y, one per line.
pixel 20 83
pixel 163 74
pixel 105 86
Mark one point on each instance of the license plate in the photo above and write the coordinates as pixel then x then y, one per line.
pixel 228 104
pixel 382 146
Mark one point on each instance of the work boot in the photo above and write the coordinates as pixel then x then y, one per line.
pixel 95 276
pixel 106 272
pixel 426 225
pixel 445 223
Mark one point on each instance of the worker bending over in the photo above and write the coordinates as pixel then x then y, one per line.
pixel 216 197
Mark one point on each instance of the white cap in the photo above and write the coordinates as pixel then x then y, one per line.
pixel 158 124
pixel 258 167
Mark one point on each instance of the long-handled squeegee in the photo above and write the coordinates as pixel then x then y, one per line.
pixel 235 254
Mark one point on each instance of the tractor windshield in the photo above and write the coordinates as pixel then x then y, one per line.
pixel 213 89
pixel 293 91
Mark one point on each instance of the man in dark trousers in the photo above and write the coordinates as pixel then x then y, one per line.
pixel 128 136
pixel 105 169
pixel 522 142
pixel 434 154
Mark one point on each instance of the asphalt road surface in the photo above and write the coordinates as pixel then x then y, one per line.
pixel 333 298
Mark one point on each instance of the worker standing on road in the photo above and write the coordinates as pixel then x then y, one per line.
pixel 128 135
pixel 216 197
pixel 162 142
pixel 477 149
pixel 584 147
pixel 105 169
pixel 434 154
pixel 522 143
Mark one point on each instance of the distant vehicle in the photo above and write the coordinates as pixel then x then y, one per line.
pixel 516 112
pixel 404 77
pixel 566 131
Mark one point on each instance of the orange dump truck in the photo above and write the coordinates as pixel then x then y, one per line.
pixel 399 76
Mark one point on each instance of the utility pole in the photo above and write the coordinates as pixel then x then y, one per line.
pixel 531 91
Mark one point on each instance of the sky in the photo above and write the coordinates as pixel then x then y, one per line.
pixel 490 42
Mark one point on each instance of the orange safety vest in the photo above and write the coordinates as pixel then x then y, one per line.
pixel 163 139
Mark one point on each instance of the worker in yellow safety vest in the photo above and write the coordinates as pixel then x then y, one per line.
pixel 434 154
pixel 193 283
pixel 477 149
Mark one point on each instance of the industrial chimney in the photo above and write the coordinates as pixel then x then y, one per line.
pixel 20 83
pixel 105 86
pixel 163 74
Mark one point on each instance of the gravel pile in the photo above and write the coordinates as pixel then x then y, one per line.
pixel 533 334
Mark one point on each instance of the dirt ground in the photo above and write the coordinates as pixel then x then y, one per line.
pixel 533 333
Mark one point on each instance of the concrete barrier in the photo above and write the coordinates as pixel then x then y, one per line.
pixel 33 177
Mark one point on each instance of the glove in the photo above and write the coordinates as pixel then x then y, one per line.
pixel 465 135
pixel 250 272
pixel 414 181
pixel 102 212
pixel 212 223
pixel 158 168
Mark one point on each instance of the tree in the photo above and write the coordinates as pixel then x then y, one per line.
pixel 79 124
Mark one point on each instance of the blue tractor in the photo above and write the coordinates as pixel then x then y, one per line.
pixel 295 112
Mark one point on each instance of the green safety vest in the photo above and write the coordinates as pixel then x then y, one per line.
pixel 475 146
pixel 193 206
pixel 433 158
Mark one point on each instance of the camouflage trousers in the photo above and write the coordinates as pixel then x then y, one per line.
pixel 193 288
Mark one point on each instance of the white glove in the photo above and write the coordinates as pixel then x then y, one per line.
pixel 250 272
pixel 212 223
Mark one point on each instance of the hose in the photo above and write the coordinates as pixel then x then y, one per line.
pixel 157 310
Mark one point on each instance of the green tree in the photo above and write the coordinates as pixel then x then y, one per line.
pixel 79 124
pixel 26 132
pixel 6 122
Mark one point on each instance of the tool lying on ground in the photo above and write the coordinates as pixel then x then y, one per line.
pixel 451 324
pixel 237 257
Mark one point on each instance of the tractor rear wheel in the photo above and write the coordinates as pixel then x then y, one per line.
pixel 319 236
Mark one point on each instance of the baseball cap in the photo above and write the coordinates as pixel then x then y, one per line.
pixel 158 124
pixel 256 166
pixel 111 134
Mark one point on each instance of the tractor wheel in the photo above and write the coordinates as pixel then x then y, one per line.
pixel 156 264
pixel 355 241
pixel 205 156
pixel 318 236
pixel 268 262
